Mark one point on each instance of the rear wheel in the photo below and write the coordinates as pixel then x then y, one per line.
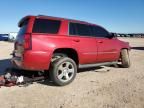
pixel 58 56
pixel 125 60
pixel 63 71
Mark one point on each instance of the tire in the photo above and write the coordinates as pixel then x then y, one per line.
pixel 125 60
pixel 63 71
pixel 57 56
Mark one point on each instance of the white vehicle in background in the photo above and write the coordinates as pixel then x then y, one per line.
pixel 12 36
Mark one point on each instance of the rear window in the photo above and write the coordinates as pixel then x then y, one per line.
pixel 23 27
pixel 46 26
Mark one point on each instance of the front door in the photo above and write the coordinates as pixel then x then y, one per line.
pixel 107 49
pixel 106 46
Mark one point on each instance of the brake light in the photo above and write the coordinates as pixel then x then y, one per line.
pixel 27 41
pixel 15 45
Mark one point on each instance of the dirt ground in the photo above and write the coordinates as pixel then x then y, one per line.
pixel 117 88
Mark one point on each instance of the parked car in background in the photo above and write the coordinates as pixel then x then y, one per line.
pixel 4 37
pixel 61 46
pixel 12 36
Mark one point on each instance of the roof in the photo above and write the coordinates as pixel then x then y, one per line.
pixel 51 17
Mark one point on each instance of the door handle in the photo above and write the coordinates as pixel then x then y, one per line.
pixel 100 41
pixel 76 40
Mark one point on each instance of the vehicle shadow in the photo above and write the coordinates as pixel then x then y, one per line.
pixel 138 48
pixel 4 64
pixel 99 69
pixel 89 69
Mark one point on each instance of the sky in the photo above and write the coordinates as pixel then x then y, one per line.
pixel 121 16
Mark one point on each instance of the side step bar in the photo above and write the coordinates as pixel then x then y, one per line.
pixel 97 64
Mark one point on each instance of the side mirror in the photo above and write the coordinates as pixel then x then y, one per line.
pixel 112 35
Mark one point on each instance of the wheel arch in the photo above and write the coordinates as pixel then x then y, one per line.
pixel 123 49
pixel 70 52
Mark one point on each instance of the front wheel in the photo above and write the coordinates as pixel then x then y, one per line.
pixel 125 60
pixel 63 71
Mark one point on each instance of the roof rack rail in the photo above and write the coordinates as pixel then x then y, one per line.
pixel 41 15
pixel 47 16
pixel 50 16
pixel 60 18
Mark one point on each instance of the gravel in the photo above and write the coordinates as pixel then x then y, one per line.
pixel 109 87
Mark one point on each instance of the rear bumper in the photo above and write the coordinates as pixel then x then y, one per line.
pixel 33 60
pixel 17 61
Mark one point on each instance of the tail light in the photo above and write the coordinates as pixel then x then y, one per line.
pixel 27 41
pixel 15 45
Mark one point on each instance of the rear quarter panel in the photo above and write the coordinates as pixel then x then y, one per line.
pixel 43 46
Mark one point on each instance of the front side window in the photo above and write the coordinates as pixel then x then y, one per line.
pixel 99 31
pixel 46 26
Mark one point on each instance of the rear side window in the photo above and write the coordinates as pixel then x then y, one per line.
pixel 80 29
pixel 46 26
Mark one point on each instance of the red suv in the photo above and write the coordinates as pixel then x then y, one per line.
pixel 63 45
